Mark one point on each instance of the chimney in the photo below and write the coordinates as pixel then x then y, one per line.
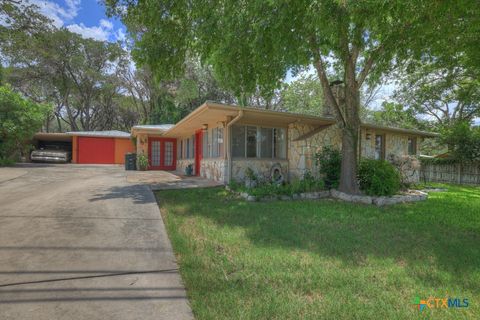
pixel 337 91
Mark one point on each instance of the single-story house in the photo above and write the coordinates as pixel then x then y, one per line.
pixel 221 141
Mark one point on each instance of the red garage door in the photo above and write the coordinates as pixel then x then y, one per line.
pixel 96 150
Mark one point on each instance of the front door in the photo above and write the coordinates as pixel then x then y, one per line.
pixel 198 151
pixel 162 153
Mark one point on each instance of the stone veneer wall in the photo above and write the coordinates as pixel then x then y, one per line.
pixel 183 163
pixel 395 143
pixel 261 167
pixel 301 154
pixel 213 169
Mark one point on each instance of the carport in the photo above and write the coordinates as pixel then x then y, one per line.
pixel 50 140
pixel 100 147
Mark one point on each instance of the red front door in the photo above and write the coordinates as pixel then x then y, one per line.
pixel 162 154
pixel 198 151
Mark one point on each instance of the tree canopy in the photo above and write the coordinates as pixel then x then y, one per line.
pixel 253 44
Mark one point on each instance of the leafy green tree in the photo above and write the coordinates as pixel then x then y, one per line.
pixel 253 44
pixel 463 141
pixel 303 95
pixel 445 92
pixel 20 118
pixel 395 115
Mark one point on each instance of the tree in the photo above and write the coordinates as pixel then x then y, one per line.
pixel 252 44
pixel 20 118
pixel 463 141
pixel 395 115
pixel 447 93
pixel 303 95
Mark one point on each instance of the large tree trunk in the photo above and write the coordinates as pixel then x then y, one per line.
pixel 344 101
pixel 350 130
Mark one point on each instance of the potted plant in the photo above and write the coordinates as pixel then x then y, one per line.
pixel 250 178
pixel 189 170
pixel 142 161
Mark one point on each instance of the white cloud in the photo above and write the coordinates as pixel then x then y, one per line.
pixel 96 32
pixel 106 24
pixel 59 14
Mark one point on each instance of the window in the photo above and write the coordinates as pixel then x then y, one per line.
pixel 266 142
pixel 412 146
pixel 180 150
pixel 279 143
pixel 238 141
pixel 251 142
pixel 258 142
pixel 168 153
pixel 187 149
pixel 379 147
pixel 214 150
pixel 220 142
pixel 192 147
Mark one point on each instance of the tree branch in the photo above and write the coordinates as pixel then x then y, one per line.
pixel 368 65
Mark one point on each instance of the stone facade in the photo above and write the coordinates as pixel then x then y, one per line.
pixel 183 163
pixel 395 143
pixel 301 154
pixel 213 169
pixel 261 167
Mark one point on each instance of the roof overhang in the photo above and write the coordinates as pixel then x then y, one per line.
pixel 150 129
pixel 211 114
pixel 411 132
pixel 100 134
pixel 52 136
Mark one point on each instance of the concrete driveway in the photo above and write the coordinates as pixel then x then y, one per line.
pixel 80 242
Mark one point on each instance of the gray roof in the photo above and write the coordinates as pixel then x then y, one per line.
pixel 106 134
pixel 163 127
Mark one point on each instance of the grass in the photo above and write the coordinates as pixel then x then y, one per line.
pixel 325 259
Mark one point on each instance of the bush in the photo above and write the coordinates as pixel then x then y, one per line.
pixel 20 118
pixel 378 178
pixel 329 161
pixel 142 162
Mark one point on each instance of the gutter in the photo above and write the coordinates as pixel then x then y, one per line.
pixel 229 148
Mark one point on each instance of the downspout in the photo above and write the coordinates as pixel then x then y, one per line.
pixel 229 140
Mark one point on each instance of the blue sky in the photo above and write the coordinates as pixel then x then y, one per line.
pixel 85 17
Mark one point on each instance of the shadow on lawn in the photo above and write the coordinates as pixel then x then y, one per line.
pixel 423 237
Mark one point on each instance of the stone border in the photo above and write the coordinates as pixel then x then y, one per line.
pixel 408 196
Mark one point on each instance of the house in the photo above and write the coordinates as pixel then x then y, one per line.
pixel 221 141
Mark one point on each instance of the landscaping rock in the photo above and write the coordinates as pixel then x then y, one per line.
pixel 251 198
pixel 285 198
pixel 296 196
pixel 269 198
pixel 244 195
pixel 410 196
pixel 351 198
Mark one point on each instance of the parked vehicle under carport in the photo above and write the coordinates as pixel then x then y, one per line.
pixel 51 155
pixel 51 147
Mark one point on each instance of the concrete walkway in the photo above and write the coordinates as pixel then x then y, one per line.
pixel 163 180
pixel 80 242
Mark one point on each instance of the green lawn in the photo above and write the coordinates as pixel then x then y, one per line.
pixel 325 259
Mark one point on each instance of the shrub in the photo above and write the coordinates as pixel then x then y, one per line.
pixel 142 162
pixel 329 161
pixel 378 178
pixel 250 174
pixel 20 118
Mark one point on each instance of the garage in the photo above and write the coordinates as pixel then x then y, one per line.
pixel 100 147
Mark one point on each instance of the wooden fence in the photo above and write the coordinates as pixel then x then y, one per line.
pixel 451 173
